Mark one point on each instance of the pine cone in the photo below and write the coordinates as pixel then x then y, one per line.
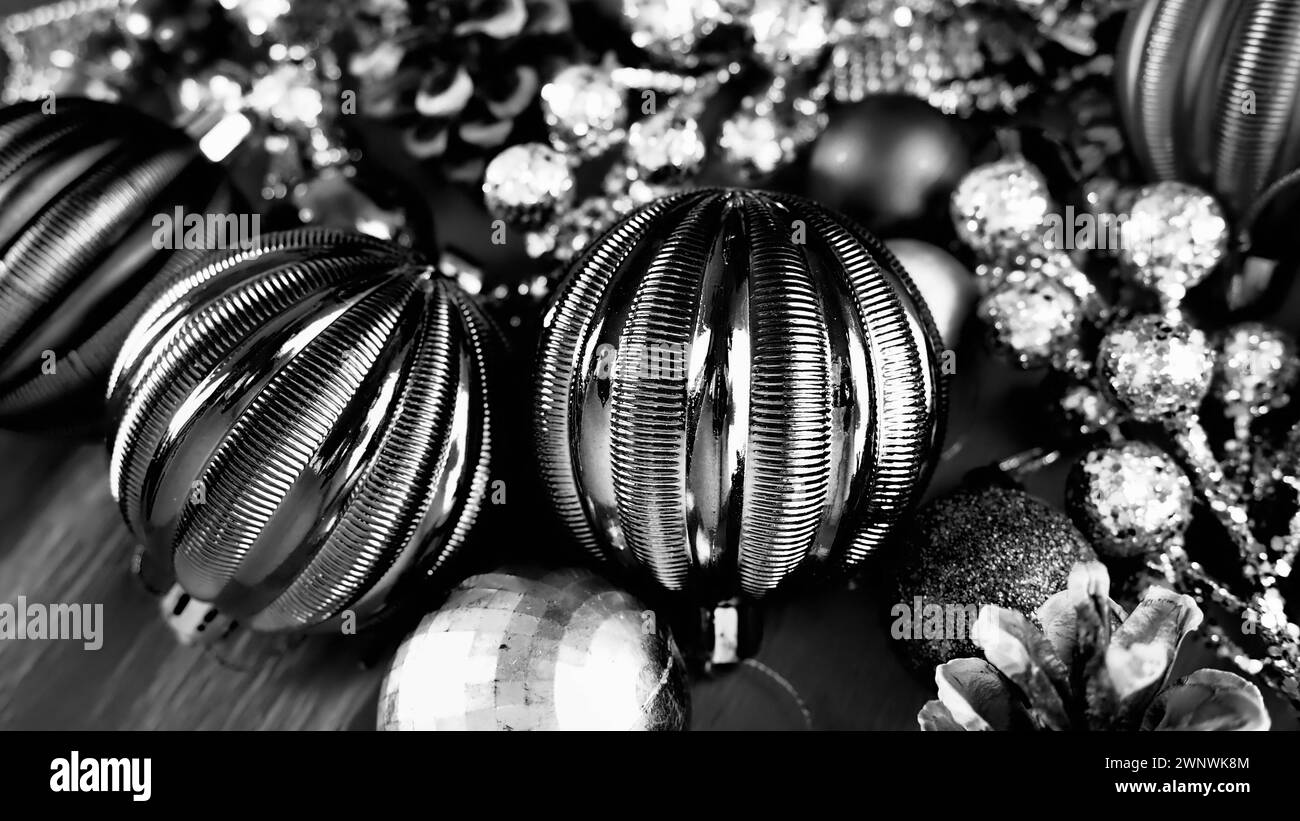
pixel 455 74
pixel 1080 672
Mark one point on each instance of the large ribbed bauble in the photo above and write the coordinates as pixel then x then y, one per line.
pixel 733 386
pixel 81 186
pixel 304 427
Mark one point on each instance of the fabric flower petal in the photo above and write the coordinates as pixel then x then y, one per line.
pixel 1208 700
pixel 934 717
pixel 978 697
pixel 1021 653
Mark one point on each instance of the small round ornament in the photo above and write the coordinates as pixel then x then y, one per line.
pixel 666 147
pixel 89 192
pixel 304 428
pixel 984 544
pixel 1156 368
pixel 672 30
pixel 1174 237
pixel 1130 499
pixel 1000 209
pixel 1036 321
pixel 887 160
pixel 537 650
pixel 584 110
pixel 1255 370
pixel 1209 91
pixel 733 386
pixel 944 283
pixel 528 185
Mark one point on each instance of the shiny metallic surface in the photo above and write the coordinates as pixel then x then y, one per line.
pixel 80 187
pixel 303 428
pixel 1210 92
pixel 733 386
pixel 537 650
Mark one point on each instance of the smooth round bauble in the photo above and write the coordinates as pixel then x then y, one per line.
pixel 886 161
pixel 82 189
pixel 977 546
pixel 1210 93
pixel 537 650
pixel 1156 369
pixel 303 428
pixel 947 286
pixel 1130 499
pixel 733 386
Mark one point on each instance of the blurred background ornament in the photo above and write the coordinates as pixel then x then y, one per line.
pixel 304 428
pixel 943 282
pixel 585 110
pixel 1075 669
pixel 734 386
pixel 1035 321
pixel 985 544
pixel 73 49
pixel 1174 237
pixel 89 192
pixel 949 54
pixel 887 161
pixel 1209 94
pixel 456 76
pixel 537 650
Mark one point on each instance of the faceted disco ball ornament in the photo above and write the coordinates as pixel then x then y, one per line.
pixel 537 650
pixel 734 386
pixel 304 428
pixel 80 189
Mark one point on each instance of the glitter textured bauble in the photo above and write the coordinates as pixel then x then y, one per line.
pixel 1209 92
pixel 1000 209
pixel 1130 499
pixel 1035 321
pixel 1156 369
pixel 304 427
pixel 83 187
pixel 887 160
pixel 1256 368
pixel 528 184
pixel 735 385
pixel 979 546
pixel 584 109
pixel 537 650
pixel 1174 237
pixel 671 30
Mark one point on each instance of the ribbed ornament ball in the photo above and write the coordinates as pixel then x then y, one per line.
pixel 527 649
pixel 304 428
pixel 81 184
pixel 735 386
pixel 1209 93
